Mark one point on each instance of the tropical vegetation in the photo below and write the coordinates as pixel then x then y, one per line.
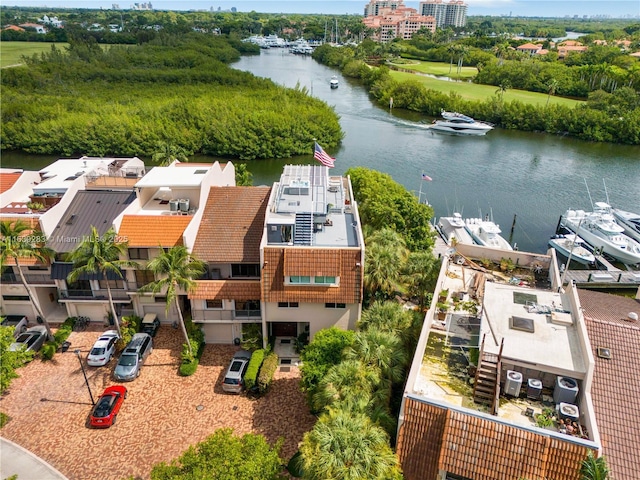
pixel 20 242
pixel 225 456
pixel 10 361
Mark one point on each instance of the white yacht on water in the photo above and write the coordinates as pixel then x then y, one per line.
pixel 571 245
pixel 486 233
pixel 459 124
pixel 600 229
pixel 453 229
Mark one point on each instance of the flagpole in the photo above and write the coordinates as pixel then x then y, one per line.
pixel 420 191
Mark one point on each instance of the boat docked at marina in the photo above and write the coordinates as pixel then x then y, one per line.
pixel 459 124
pixel 600 229
pixel 629 221
pixel 334 82
pixel 452 229
pixel 573 247
pixel 486 233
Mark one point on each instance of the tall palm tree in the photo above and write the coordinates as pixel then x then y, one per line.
pixel 385 316
pixel 100 254
pixel 348 380
pixel 176 269
pixel 386 254
pixel 347 445
pixel 552 86
pixel 166 153
pixel 16 245
pixel 502 88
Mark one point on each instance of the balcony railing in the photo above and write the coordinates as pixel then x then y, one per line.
pixel 101 294
pixel 31 278
pixel 222 315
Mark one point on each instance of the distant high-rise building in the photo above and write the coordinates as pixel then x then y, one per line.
pixel 452 14
pixel 392 19
pixel 372 9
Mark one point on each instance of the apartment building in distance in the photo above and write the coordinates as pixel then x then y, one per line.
pixel 389 20
pixel 450 14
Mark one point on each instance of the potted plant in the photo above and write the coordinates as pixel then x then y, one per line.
pixel 443 308
pixel 442 296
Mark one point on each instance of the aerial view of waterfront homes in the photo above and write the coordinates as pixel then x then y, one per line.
pixel 164 318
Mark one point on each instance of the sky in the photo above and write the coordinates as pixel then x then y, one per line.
pixel 527 8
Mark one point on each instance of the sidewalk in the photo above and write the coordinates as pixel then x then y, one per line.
pixel 15 460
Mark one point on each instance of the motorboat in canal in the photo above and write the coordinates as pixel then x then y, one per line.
pixel 459 124
pixel 573 247
pixel 486 233
pixel 629 221
pixel 452 229
pixel 600 229
pixel 334 82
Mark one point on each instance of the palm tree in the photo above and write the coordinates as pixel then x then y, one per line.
pixel 177 269
pixel 166 153
pixel 100 254
pixel 16 245
pixel 421 273
pixel 463 51
pixel 385 316
pixel 347 445
pixel 502 88
pixel 386 255
pixel 594 468
pixel 348 380
pixel 552 86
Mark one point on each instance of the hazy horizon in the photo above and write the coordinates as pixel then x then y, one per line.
pixel 515 8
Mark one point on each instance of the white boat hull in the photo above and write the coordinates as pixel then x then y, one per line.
pixel 459 130
pixel 615 244
pixel 486 233
pixel 569 247
pixel 453 229
pixel 629 221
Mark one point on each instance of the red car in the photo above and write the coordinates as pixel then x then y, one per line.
pixel 106 410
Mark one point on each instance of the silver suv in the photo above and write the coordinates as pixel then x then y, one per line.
pixel 233 380
pixel 20 322
pixel 133 357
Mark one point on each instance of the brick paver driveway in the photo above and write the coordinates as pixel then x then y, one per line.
pixel 49 405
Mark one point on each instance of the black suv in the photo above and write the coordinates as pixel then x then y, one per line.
pixel 150 324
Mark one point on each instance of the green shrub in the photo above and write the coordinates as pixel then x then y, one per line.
pixel 269 367
pixel 51 347
pixel 48 350
pixel 129 326
pixel 188 369
pixel 252 370
pixel 4 419
pixel 251 336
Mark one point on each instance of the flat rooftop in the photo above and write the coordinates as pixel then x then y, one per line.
pixel 187 176
pixel 57 177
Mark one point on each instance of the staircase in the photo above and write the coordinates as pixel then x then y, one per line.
pixel 486 387
pixel 303 229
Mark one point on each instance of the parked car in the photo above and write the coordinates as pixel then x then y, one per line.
pixel 20 322
pixel 150 324
pixel 105 412
pixel 133 357
pixel 104 349
pixel 31 340
pixel 233 380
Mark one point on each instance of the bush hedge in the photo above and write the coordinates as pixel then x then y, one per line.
pixel 252 370
pixel 129 326
pixel 190 361
pixel 269 367
pixel 61 335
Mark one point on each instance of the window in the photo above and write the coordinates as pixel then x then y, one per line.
pixel 324 280
pixel 287 304
pixel 335 305
pixel 112 283
pixel 213 304
pixel 245 270
pixel 38 267
pixel 20 298
pixel 139 253
pixel 143 277
pixel 160 299
pixel 248 308
pixel 299 279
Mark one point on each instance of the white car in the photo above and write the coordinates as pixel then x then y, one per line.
pixel 104 349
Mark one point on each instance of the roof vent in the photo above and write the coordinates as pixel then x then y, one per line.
pixel 522 323
pixel 632 316
pixel 604 352
pixel 71 219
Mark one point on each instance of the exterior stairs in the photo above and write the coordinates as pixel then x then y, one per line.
pixel 303 229
pixel 486 386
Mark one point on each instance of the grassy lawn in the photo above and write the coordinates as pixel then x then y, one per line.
pixel 11 52
pixel 472 91
pixel 437 68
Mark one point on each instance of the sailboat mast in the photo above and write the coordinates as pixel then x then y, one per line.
pixel 605 191
pixel 589 193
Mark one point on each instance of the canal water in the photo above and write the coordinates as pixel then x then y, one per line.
pixel 535 177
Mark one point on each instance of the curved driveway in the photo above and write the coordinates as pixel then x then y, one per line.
pixel 49 405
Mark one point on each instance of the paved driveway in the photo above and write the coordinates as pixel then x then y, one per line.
pixel 49 405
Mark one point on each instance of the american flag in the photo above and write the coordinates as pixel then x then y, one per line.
pixel 322 156
pixel 426 177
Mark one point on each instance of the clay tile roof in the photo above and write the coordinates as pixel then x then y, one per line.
pixel 312 262
pixel 434 438
pixel 153 230
pixel 232 225
pixel 616 380
pixel 226 289
pixel 7 180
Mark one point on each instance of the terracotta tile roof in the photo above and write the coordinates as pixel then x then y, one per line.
pixel 7 180
pixel 434 438
pixel 35 225
pixel 154 230
pixel 312 260
pixel 226 290
pixel 232 225
pixel 616 380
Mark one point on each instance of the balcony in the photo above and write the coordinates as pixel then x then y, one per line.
pixel 118 295
pixel 225 315
pixel 31 278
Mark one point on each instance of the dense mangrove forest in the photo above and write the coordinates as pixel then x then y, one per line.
pixel 174 90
